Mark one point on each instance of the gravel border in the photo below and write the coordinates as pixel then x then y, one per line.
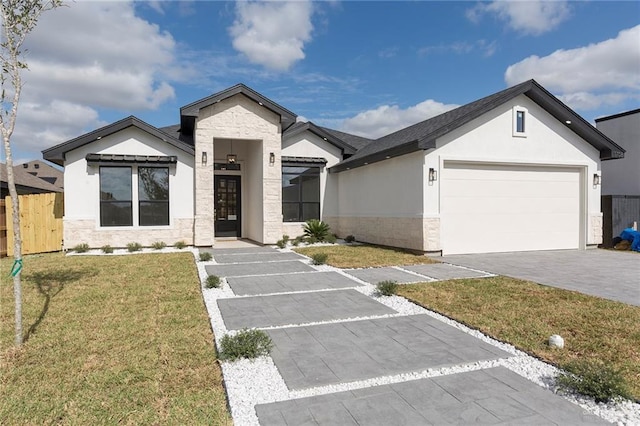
pixel 251 382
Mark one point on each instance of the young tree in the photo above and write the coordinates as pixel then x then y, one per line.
pixel 19 18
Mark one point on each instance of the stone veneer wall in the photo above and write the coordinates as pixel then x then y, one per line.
pixel 422 234
pixel 85 231
pixel 594 236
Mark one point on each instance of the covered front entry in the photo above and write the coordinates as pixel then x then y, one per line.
pixel 500 208
pixel 227 206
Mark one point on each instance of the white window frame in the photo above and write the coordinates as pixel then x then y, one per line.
pixel 525 112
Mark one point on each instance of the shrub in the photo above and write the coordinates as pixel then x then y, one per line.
pixel 349 239
pixel 213 281
pixel 319 258
pixel 310 240
pixel 81 248
pixel 180 245
pixel 285 238
pixel 159 245
pixel 387 288
pixel 131 247
pixel 331 239
pixel 205 256
pixel 107 249
pixel 597 380
pixel 245 344
pixel 317 229
pixel 281 243
pixel 297 240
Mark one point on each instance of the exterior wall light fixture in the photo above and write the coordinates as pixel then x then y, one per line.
pixel 597 179
pixel 272 158
pixel 204 158
pixel 433 174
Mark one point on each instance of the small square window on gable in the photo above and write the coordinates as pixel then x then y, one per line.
pixel 520 121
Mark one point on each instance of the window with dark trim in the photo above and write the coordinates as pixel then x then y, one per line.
pixel 153 196
pixel 300 193
pixel 115 196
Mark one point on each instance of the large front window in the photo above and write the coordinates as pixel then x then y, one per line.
pixel 153 195
pixel 300 193
pixel 118 196
pixel 115 196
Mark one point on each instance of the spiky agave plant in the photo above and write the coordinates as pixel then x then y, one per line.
pixel 317 229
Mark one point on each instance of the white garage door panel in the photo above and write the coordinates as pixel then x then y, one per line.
pixel 486 208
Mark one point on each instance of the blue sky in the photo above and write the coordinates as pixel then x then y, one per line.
pixel 362 67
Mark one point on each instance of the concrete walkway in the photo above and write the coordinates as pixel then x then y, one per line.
pixel 604 273
pixel 328 331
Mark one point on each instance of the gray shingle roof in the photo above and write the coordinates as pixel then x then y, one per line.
pixel 300 127
pixel 25 180
pixel 358 142
pixel 424 134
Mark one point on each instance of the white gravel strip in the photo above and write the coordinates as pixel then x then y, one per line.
pixel 251 382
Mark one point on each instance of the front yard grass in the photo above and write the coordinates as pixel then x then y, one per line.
pixel 525 314
pixel 111 340
pixel 365 256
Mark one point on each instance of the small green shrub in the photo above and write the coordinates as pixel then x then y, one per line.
pixel 131 247
pixel 319 258
pixel 317 229
pixel 107 249
pixel 297 240
pixel 331 239
pixel 349 239
pixel 310 240
pixel 597 380
pixel 205 256
pixel 245 344
pixel 159 245
pixel 81 248
pixel 387 288
pixel 180 245
pixel 213 281
pixel 281 243
pixel 285 238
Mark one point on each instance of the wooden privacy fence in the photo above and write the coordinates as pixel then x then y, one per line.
pixel 40 222
pixel 3 229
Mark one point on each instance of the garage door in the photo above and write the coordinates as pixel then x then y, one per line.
pixel 494 208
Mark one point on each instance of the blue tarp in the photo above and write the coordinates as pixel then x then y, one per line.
pixel 633 236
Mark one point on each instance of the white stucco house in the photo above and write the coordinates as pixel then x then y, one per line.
pixel 513 171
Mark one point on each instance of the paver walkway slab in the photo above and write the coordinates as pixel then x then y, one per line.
pixel 604 273
pixel 375 275
pixel 349 351
pixel 259 268
pixel 491 396
pixel 290 282
pixel 240 250
pixel 443 271
pixel 299 308
pixel 255 257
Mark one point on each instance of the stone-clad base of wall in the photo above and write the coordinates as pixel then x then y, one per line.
pixel 422 234
pixel 595 230
pixel 85 231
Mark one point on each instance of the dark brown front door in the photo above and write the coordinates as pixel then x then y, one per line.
pixel 227 195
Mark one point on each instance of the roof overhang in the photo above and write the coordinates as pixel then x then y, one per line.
pixel 95 159
pixel 321 133
pixel 57 154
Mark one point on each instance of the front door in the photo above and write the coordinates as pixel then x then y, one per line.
pixel 227 196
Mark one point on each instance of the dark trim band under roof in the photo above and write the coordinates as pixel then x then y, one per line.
pixel 622 114
pixel 130 159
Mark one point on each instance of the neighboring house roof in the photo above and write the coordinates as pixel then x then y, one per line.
pixel 300 127
pixel 358 142
pixel 622 114
pixel 175 131
pixel 188 113
pixel 44 171
pixel 57 153
pixel 423 135
pixel 25 181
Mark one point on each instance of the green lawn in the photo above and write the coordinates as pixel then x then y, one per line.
pixel 365 256
pixel 111 339
pixel 525 314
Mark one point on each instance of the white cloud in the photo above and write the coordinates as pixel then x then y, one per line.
pixel 387 119
pixel 532 17
pixel 272 34
pixel 590 76
pixel 90 55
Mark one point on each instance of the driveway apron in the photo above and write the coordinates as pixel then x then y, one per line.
pixel 326 332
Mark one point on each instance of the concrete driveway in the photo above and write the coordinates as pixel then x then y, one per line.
pixel 604 273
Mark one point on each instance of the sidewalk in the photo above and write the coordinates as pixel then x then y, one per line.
pixel 342 356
